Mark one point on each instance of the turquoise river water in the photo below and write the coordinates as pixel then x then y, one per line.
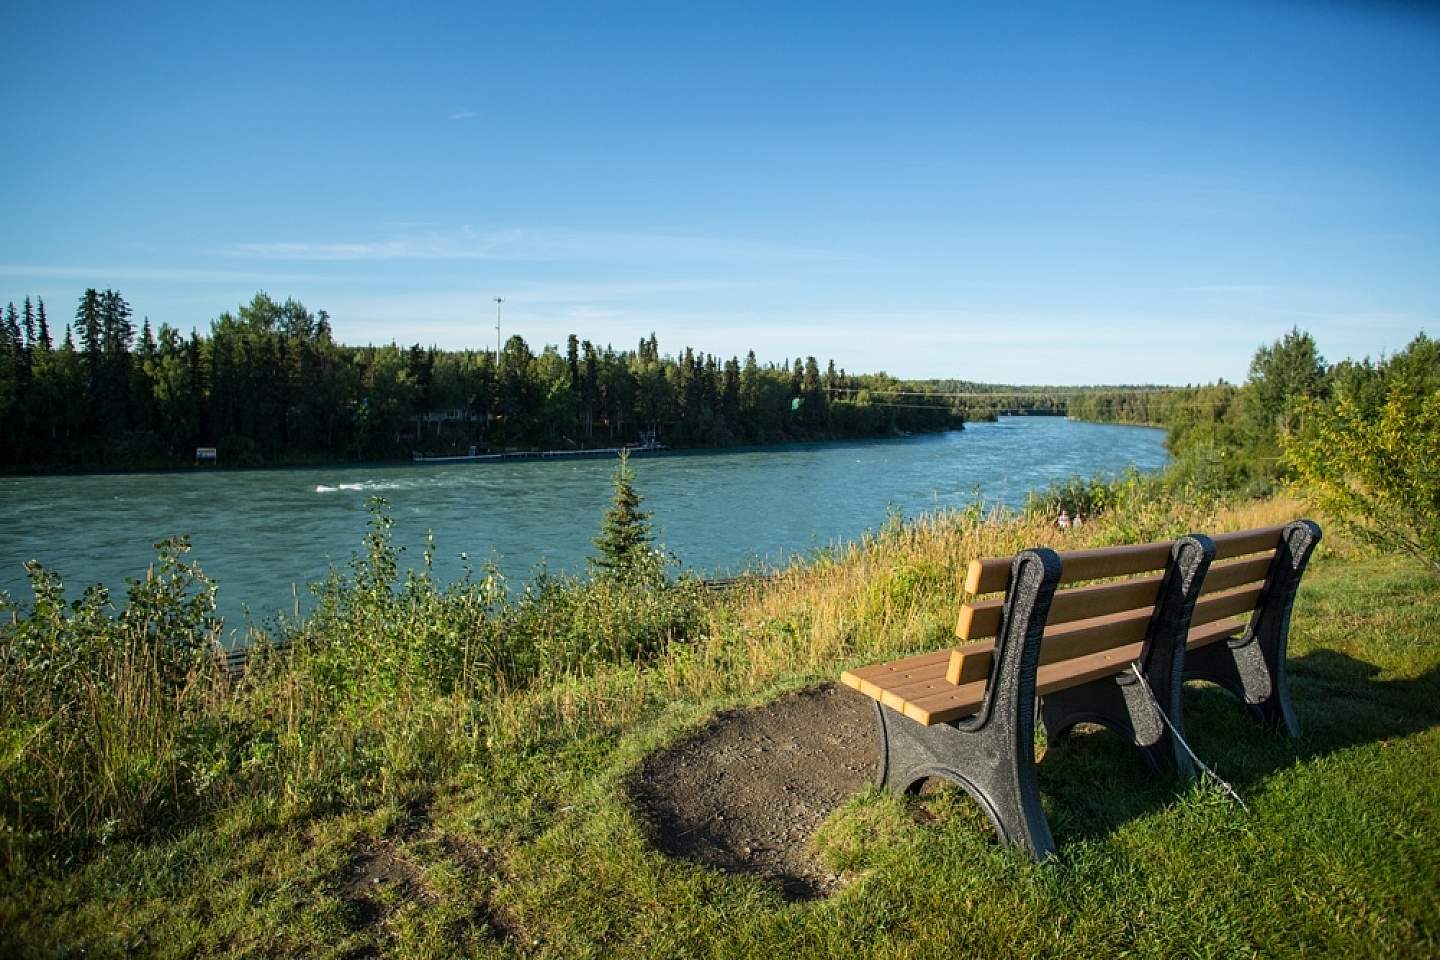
pixel 261 533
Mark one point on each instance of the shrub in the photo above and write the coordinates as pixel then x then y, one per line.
pixel 1077 496
pixel 101 709
pixel 121 722
pixel 1377 471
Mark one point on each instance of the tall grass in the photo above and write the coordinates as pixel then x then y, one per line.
pixel 101 708
pixel 117 719
pixel 120 720
pixel 478 736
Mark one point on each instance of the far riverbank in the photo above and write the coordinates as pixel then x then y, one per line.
pixel 300 460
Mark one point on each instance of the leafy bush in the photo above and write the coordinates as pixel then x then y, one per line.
pixel 1077 496
pixel 101 709
pixel 1377 471
pixel 116 722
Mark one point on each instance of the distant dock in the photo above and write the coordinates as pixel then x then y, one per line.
pixel 541 454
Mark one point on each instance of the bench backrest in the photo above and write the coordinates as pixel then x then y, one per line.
pixel 1090 619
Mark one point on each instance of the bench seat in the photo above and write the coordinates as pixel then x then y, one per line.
pixel 917 686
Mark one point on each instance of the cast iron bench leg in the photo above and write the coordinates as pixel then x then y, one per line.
pixel 1121 703
pixel 1252 666
pixel 992 754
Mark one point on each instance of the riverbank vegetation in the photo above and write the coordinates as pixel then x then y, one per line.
pixel 426 769
pixel 269 384
pixel 434 771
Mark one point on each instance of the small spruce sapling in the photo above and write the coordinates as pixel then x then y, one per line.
pixel 624 540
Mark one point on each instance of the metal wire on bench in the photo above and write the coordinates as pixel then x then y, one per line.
pixel 1224 785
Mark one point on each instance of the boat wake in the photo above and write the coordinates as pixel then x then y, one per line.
pixel 364 485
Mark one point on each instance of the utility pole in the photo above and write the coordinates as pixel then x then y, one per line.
pixel 498 301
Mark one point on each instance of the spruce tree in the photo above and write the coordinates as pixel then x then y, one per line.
pixel 116 329
pixel 87 328
pixel 42 324
pixel 624 540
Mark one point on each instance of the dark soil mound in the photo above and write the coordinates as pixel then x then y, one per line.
pixel 746 792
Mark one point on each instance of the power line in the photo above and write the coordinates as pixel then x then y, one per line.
pixel 916 406
pixel 1017 393
pixel 1101 400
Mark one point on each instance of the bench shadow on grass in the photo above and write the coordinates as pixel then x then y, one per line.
pixel 1339 700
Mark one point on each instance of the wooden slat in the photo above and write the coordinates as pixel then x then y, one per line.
pixel 962 701
pixel 1066 642
pixel 897 697
pixel 951 704
pixel 1228 604
pixel 874 680
pixel 1114 561
pixel 990 574
pixel 1226 576
pixel 970 662
pixel 979 619
pixel 987 575
pixel 1241 542
pixel 993 573
pixel 982 618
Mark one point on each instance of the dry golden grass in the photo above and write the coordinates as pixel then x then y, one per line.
pixel 891 593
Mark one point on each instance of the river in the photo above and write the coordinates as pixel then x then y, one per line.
pixel 260 533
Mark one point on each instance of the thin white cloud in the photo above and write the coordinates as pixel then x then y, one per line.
pixel 530 245
pixel 1249 289
pixel 1001 346
pixel 464 115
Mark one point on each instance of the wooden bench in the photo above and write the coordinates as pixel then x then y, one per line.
pixel 1173 609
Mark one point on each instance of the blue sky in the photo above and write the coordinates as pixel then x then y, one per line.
pixel 1063 193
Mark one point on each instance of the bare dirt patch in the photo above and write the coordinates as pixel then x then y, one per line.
pixel 746 792
pixel 380 877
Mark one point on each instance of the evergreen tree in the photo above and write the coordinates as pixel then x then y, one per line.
pixel 730 395
pixel 87 328
pixel 624 540
pixel 43 325
pixel 10 396
pixel 590 387
pixel 17 346
pixel 572 361
pixel 29 324
pixel 116 329
pixel 14 339
pixel 577 392
pixel 814 408
pixel 112 398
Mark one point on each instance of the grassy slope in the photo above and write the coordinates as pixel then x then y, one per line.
pixel 532 848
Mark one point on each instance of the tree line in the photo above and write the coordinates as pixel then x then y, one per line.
pixel 1358 439
pixel 1247 438
pixel 269 383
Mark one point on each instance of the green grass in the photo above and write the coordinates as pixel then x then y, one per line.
pixel 526 845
